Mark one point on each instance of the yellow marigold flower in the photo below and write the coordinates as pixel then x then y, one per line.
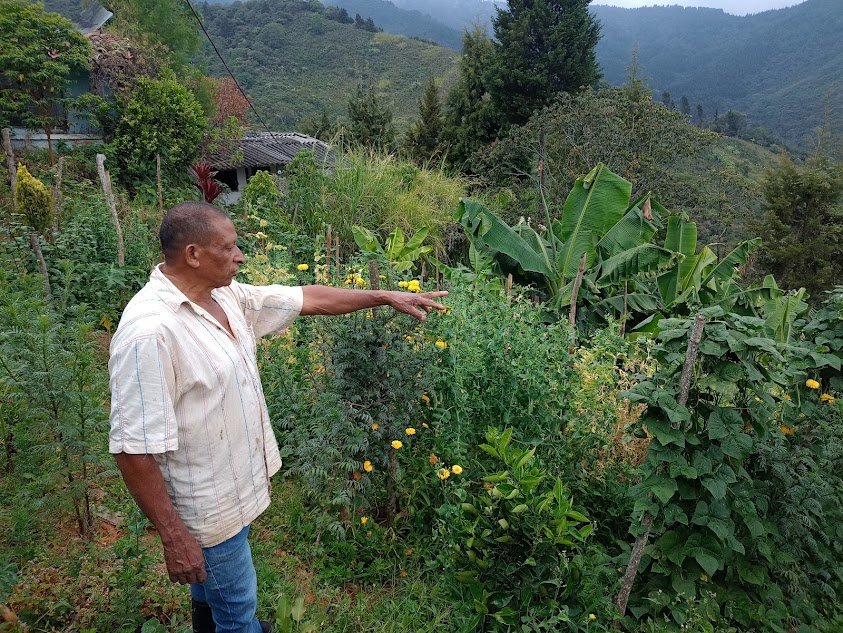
pixel 413 285
pixel 425 398
pixel 787 397
pixel 402 284
pixel 396 444
pixel 260 235
pixel 367 466
pixel 410 430
pixel 433 459
pixel 364 520
pixel 263 223
pixel 410 339
pixel 826 397
pixel 441 344
pixel 591 617
pixel 302 267
pixel 456 469
pixel 812 384
pixel 443 473
pixel 375 426
pixel 787 430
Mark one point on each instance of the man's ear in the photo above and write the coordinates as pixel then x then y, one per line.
pixel 191 255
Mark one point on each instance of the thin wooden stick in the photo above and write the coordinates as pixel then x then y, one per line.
pixel 328 240
pixel 42 264
pixel 160 185
pixel 58 200
pixel 572 313
pixel 436 255
pixel 509 285
pixel 647 520
pixel 11 165
pixel 374 279
pixel 337 251
pixel 105 179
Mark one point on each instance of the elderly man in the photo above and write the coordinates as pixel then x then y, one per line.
pixel 189 425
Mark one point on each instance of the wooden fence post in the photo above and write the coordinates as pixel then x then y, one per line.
pixel 647 520
pixel 11 166
pixel 105 179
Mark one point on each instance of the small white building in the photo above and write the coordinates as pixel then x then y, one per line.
pixel 261 151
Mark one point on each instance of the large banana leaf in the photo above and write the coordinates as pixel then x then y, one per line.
pixel 632 230
pixel 681 238
pixel 490 231
pixel 725 270
pixel 596 203
pixel 644 259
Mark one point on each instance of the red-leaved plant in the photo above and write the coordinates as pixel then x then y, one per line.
pixel 203 177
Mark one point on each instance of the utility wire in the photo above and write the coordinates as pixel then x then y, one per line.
pixel 231 74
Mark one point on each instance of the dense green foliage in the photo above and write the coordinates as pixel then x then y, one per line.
pixel 370 122
pixel 424 141
pixel 803 228
pixel 39 53
pixel 541 49
pixel 161 117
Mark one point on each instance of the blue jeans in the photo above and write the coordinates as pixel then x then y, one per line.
pixel 231 588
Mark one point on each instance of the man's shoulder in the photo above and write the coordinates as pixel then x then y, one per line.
pixel 146 315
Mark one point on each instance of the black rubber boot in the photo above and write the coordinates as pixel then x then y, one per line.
pixel 265 626
pixel 200 615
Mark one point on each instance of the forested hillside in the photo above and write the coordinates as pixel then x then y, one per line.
pixel 295 62
pixel 776 66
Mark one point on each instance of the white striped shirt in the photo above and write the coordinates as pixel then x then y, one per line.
pixel 185 391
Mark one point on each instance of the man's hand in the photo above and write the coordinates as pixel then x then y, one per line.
pixel 416 305
pixel 184 558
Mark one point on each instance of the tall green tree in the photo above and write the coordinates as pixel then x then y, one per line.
pixel 424 138
pixel 470 117
pixel 39 54
pixel 543 47
pixel 803 231
pixel 370 121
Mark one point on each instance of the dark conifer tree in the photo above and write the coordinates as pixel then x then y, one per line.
pixel 470 119
pixel 543 47
pixel 685 106
pixel 424 138
pixel 370 122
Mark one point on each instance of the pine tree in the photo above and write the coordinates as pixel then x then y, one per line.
pixel 424 138
pixel 470 119
pixel 685 106
pixel 544 47
pixel 667 101
pixel 370 122
pixel 699 115
pixel 803 232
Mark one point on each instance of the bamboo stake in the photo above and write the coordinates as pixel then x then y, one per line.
pixel 647 520
pixel 105 179
pixel 58 199
pixel 509 285
pixel 160 185
pixel 11 166
pixel 572 314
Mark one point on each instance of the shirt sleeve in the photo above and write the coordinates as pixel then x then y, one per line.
pixel 268 309
pixel 142 380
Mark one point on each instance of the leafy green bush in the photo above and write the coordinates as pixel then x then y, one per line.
pixel 507 543
pixel 160 117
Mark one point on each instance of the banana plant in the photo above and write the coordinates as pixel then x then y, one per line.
pixel 400 253
pixel 597 223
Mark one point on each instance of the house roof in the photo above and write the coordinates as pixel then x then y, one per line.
pixel 262 149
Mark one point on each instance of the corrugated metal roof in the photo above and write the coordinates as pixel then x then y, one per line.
pixel 262 149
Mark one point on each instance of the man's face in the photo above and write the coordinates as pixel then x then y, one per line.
pixel 220 258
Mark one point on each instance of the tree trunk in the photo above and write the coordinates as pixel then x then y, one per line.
pixel 105 179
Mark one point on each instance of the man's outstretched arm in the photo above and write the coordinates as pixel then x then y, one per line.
pixel 182 553
pixel 327 300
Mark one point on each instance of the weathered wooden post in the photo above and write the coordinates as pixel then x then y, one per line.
pixel 647 520
pixel 11 165
pixel 105 179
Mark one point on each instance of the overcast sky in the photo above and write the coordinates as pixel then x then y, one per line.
pixel 738 7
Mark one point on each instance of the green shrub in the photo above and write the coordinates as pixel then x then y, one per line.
pixel 160 117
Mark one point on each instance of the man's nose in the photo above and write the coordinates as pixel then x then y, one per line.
pixel 239 258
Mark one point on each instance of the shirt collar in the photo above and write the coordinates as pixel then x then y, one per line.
pixel 166 289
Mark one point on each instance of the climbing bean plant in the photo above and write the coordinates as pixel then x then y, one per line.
pixel 715 517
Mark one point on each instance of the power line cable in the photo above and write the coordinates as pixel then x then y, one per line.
pixel 231 74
